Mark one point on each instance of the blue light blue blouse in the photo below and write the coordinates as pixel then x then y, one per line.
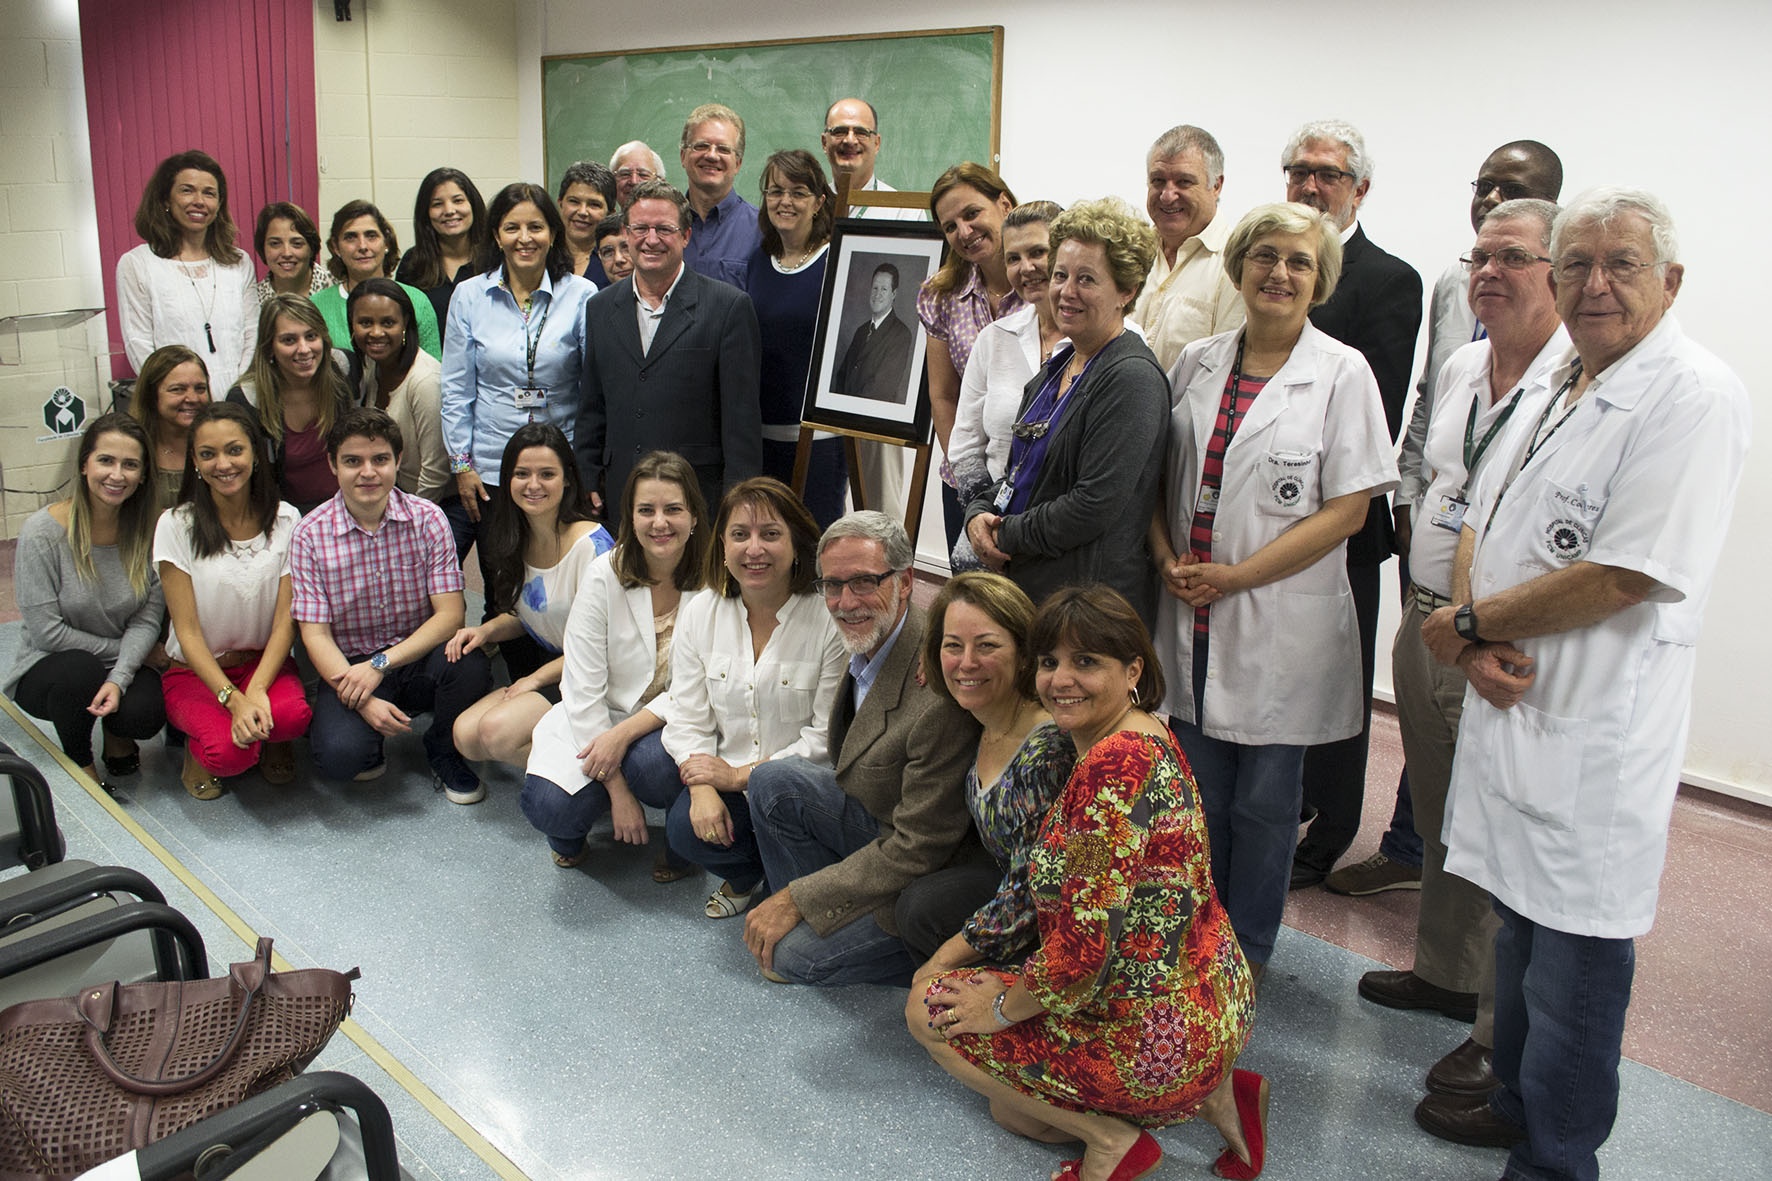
pixel 484 363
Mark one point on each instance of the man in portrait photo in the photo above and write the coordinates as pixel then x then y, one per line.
pixel 877 363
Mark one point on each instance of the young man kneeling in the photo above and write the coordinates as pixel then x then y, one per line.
pixel 377 594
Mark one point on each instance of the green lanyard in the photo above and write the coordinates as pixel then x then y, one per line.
pixel 1474 455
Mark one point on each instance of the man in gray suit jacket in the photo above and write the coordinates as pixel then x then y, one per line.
pixel 672 363
pixel 839 843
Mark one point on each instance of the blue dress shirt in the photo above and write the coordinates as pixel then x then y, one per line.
pixel 485 362
pixel 720 246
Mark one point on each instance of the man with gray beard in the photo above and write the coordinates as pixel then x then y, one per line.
pixel 839 843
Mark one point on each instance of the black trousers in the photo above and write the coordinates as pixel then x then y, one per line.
pixel 59 687
pixel 1335 772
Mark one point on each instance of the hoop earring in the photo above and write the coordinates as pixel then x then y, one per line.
pixel 1132 695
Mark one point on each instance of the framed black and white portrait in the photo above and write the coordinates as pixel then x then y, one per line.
pixel 867 371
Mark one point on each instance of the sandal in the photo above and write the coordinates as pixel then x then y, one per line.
pixel 200 783
pixel 724 904
pixel 276 762
pixel 664 873
pixel 571 860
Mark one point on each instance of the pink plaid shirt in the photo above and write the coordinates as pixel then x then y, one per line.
pixel 373 588
pixel 957 317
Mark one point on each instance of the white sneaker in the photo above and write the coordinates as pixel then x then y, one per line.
pixel 464 797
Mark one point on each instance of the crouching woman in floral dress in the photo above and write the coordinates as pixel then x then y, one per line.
pixel 1136 1005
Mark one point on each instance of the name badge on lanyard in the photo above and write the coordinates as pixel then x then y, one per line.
pixel 1207 505
pixel 1450 513
pixel 1005 494
pixel 532 398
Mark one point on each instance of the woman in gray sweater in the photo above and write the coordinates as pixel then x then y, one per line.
pixel 91 602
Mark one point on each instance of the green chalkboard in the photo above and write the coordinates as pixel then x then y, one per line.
pixel 937 93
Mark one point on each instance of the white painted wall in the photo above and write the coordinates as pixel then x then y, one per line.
pixel 1627 92
pixel 406 86
pixel 48 244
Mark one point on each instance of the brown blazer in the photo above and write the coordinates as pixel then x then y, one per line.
pixel 904 758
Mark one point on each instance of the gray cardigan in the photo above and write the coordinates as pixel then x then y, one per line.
pixel 1095 493
pixel 65 613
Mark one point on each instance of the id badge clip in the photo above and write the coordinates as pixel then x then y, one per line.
pixel 1449 514
pixel 532 397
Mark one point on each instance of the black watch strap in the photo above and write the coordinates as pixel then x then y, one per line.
pixel 1464 622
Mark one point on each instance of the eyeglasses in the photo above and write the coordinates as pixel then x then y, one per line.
pixel 702 147
pixel 861 584
pixel 1267 260
pixel 664 232
pixel 845 130
pixel 1297 174
pixel 634 174
pixel 1510 191
pixel 1511 258
pixel 797 196
pixel 1623 271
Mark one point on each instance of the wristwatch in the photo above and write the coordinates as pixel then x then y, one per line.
pixel 997 1011
pixel 1464 622
pixel 222 694
pixel 379 662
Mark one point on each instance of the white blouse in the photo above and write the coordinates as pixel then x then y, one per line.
pixel 162 301
pixel 236 590
pixel 724 703
pixel 545 599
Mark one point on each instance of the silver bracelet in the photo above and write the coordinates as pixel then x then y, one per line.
pixel 997 1011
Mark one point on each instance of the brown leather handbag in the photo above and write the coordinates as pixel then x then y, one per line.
pixel 114 1068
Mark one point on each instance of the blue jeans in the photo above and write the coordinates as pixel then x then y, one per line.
pixel 1560 1001
pixel 806 822
pixel 566 819
pixel 345 745
pixel 737 863
pixel 1401 843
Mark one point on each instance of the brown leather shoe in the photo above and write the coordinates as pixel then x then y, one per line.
pixel 1464 1119
pixel 1406 990
pixel 1465 1071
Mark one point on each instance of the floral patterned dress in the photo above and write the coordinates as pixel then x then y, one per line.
pixel 1148 998
pixel 1008 815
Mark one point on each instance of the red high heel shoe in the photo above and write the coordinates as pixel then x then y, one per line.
pixel 1250 1091
pixel 1141 1158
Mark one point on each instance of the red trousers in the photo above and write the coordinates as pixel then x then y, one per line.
pixel 209 725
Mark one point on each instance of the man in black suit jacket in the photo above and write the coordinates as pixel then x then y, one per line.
pixel 1376 308
pixel 672 363
pixel 877 363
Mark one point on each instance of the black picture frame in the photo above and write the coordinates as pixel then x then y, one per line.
pixel 875 382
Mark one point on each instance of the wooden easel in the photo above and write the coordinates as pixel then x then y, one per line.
pixel 913 509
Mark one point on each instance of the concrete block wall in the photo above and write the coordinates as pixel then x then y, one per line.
pixel 411 85
pixel 49 258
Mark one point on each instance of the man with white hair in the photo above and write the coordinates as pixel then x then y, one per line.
pixel 634 164
pixel 1376 308
pixel 1582 571
pixel 1188 295
pixel 840 842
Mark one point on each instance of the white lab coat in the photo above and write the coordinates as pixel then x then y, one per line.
pixel 1284 658
pixel 1560 806
pixel 610 649
pixel 1465 379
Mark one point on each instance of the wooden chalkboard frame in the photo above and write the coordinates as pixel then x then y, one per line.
pixel 755 152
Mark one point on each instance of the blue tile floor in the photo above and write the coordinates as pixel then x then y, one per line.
pixel 591 1024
